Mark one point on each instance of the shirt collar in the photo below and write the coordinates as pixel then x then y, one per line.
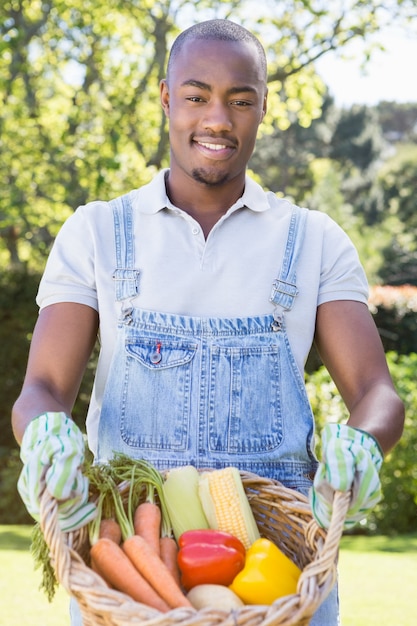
pixel 152 197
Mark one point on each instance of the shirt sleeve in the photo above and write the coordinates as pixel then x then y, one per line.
pixel 342 274
pixel 69 274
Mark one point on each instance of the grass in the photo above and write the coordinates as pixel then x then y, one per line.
pixel 378 579
pixel 22 603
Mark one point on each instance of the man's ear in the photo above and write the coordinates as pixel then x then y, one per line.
pixel 265 105
pixel 164 95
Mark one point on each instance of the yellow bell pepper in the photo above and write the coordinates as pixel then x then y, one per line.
pixel 268 574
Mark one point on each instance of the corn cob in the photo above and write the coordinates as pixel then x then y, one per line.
pixel 182 500
pixel 226 505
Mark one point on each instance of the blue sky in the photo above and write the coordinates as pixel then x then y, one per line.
pixel 390 75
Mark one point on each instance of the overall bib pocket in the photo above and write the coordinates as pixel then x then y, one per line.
pixel 156 395
pixel 244 399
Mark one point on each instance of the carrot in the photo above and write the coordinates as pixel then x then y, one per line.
pixel 98 571
pixel 117 570
pixel 169 552
pixel 110 528
pixel 147 523
pixel 143 556
pixel 154 570
pixel 107 558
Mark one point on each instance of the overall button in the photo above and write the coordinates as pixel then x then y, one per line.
pixel 156 357
pixel 195 230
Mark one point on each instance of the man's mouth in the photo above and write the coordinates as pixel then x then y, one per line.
pixel 213 146
pixel 217 150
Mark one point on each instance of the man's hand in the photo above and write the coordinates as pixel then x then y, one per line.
pixel 351 462
pixel 52 453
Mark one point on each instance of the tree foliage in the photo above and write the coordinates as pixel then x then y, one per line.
pixel 398 120
pixel 399 184
pixel 79 93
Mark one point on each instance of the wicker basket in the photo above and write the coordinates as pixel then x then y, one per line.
pixel 283 515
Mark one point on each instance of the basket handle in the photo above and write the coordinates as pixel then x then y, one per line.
pixel 341 502
pixel 59 543
pixel 322 570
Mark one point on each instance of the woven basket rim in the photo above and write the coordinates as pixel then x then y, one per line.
pixel 276 508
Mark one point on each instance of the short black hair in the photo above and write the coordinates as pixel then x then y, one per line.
pixel 220 30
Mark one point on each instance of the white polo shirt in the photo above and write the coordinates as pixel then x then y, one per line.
pixel 228 275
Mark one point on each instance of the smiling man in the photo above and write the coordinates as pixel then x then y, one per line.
pixel 207 293
pixel 214 109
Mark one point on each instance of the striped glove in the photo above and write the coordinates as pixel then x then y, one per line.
pixel 351 461
pixel 52 453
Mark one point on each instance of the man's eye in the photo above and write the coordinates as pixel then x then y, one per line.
pixel 241 103
pixel 195 99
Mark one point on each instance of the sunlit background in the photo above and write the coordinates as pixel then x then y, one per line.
pixel 389 75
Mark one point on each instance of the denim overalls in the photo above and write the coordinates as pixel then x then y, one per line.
pixel 207 391
pixel 210 392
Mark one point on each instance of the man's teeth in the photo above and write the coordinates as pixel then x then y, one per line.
pixel 213 146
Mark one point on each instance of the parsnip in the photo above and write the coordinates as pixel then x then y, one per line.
pixel 215 596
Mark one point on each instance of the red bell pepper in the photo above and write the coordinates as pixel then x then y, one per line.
pixel 209 557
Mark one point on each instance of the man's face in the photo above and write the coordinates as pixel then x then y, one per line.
pixel 215 99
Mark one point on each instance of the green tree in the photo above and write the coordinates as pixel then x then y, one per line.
pixel 398 120
pixel 79 110
pixel 17 318
pixel 357 139
pixel 356 149
pixel 399 182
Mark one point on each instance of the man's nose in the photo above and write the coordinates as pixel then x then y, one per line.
pixel 217 117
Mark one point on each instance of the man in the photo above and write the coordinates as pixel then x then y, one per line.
pixel 207 293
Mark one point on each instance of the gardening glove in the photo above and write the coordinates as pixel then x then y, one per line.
pixel 351 462
pixel 52 453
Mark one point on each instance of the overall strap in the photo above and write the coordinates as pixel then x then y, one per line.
pixel 125 276
pixel 284 288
